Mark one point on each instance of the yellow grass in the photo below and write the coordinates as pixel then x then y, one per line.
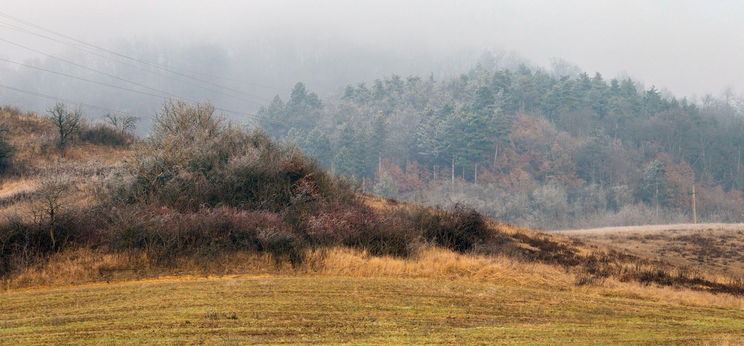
pixel 87 266
pixel 345 296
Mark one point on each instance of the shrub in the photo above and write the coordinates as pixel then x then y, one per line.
pixel 360 227
pixel 6 151
pixel 195 159
pixel 392 237
pixel 283 245
pixel 105 135
pixel 165 233
pixel 459 230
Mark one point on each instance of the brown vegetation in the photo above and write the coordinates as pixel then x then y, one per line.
pixel 205 192
pixel 708 247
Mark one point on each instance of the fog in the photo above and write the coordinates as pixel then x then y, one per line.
pixel 263 47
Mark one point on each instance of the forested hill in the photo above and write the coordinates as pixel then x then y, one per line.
pixel 527 146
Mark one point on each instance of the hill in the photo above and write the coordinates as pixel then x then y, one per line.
pixel 714 247
pixel 105 215
pixel 527 146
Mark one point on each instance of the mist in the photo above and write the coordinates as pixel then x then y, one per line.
pixel 261 48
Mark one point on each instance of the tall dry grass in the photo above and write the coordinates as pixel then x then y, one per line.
pixel 86 267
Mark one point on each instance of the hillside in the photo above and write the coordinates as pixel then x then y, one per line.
pixel 714 247
pixel 527 146
pixel 203 207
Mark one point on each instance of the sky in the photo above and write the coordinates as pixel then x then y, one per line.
pixel 687 47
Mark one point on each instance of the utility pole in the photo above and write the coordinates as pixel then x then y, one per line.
pixel 475 178
pixel 657 200
pixel 453 169
pixel 694 205
pixel 379 164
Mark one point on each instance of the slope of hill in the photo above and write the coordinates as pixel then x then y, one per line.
pixel 714 247
pixel 203 198
pixel 527 146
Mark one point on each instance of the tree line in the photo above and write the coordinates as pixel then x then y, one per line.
pixel 526 145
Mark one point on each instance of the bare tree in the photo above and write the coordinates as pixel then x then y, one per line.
pixel 68 123
pixel 51 204
pixel 123 122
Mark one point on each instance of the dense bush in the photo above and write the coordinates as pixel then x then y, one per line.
pixel 362 228
pixel 166 234
pixel 25 243
pixel 460 230
pixel 6 151
pixel 105 135
pixel 195 159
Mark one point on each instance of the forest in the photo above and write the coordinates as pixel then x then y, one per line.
pixel 527 146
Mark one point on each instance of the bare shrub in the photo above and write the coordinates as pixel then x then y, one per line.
pixel 194 159
pixel 105 135
pixel 124 123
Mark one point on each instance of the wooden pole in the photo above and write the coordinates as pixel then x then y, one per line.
pixel 379 165
pixel 694 205
pixel 475 178
pixel 453 169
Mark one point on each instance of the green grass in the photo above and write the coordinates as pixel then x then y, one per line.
pixel 349 310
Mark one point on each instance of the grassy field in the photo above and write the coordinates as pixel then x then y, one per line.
pixel 321 309
pixel 710 247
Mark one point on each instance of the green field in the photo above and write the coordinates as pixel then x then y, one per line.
pixel 312 309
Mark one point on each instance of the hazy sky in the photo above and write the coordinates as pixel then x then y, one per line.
pixel 688 47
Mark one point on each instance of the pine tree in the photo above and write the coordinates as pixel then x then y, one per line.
pixel 273 119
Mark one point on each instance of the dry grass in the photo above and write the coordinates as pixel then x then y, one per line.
pixel 712 248
pixel 87 267
pixel 349 297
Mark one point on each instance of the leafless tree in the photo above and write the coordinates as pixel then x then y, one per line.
pixel 123 122
pixel 68 123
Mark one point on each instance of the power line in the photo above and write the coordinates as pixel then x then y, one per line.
pixel 250 115
pixel 79 78
pixel 92 52
pixel 87 68
pixel 189 74
pixel 57 98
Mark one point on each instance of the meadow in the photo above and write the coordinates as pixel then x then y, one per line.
pixel 353 298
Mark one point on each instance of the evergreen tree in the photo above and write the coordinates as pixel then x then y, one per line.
pixel 273 119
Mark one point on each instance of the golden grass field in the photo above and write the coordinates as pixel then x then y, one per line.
pixel 344 296
pixel 374 305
